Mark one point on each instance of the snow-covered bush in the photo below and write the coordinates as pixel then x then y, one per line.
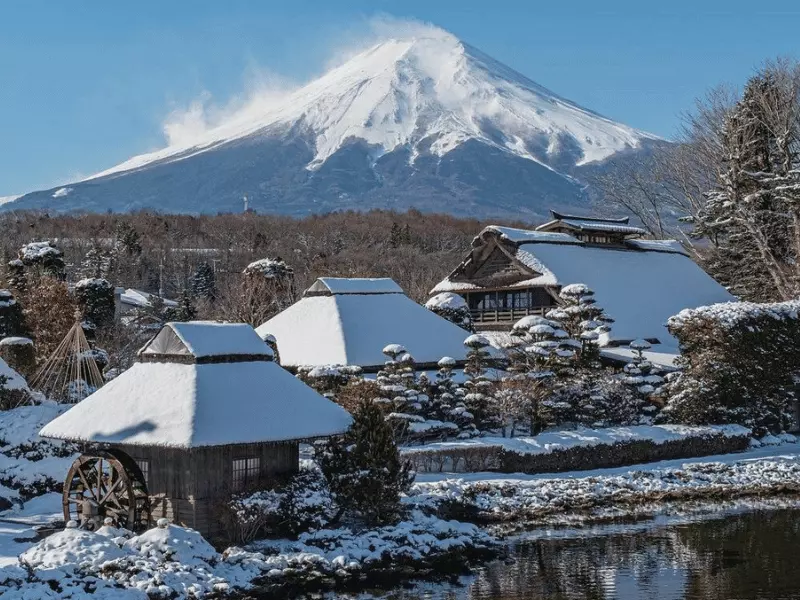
pixel 304 503
pixel 328 380
pixel 452 307
pixel 44 258
pixel 739 362
pixel 479 388
pixel 20 355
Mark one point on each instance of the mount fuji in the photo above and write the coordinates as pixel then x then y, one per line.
pixel 424 121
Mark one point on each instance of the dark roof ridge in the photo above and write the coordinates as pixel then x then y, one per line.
pixel 561 216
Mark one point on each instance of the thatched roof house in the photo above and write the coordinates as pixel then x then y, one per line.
pixel 348 321
pixel 510 273
pixel 204 412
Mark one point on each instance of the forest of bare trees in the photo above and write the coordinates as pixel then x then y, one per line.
pixel 148 251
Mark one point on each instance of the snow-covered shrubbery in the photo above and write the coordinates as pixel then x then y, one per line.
pixel 579 449
pixel 172 562
pixel 303 504
pixel 525 501
pixel 452 307
pixel 739 362
pixel 30 465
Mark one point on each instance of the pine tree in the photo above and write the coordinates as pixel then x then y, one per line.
pixel 400 398
pixel 395 236
pixel 95 298
pixel 204 283
pixel 364 469
pixel 185 311
pixel 644 380
pixel 12 320
pixel 478 386
pixel 98 262
pixel 448 403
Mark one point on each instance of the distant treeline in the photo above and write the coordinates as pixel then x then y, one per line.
pixel 150 250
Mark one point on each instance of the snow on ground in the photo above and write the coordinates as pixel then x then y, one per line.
pixel 499 497
pixel 563 440
pixel 172 561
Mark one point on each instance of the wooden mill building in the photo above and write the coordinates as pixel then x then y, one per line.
pixel 204 413
pixel 510 273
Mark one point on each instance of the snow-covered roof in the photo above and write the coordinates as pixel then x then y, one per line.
pixel 639 290
pixel 191 405
pixel 142 299
pixel 522 236
pixel 353 328
pixel 639 286
pixel 186 403
pixel 591 225
pixel 206 339
pixel 353 285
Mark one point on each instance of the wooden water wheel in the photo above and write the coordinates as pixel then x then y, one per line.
pixel 107 483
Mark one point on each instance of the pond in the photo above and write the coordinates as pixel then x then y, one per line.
pixel 741 556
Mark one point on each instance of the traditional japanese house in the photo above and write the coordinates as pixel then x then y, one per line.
pixel 510 273
pixel 348 321
pixel 204 413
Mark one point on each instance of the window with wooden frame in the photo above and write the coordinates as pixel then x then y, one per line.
pixel 245 472
pixel 144 467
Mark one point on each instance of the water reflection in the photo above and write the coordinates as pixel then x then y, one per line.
pixel 746 556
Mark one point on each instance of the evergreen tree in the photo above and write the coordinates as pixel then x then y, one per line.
pixel 400 398
pixel 185 311
pixel 12 320
pixel 98 262
pixel 364 469
pixel 395 236
pixel 95 298
pixel 448 403
pixel 204 283
pixel 478 398
pixel 644 380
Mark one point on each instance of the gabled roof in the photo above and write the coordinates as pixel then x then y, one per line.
pixel 640 285
pixel 599 224
pixel 191 404
pixel 352 328
pixel 326 286
pixel 561 216
pixel 204 340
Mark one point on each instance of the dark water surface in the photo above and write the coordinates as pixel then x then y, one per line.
pixel 754 555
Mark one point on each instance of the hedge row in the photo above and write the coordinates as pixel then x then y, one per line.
pixel 618 454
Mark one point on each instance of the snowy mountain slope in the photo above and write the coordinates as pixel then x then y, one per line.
pixel 417 121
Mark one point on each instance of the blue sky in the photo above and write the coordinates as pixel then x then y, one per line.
pixel 86 84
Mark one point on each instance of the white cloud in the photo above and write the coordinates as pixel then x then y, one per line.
pixel 265 90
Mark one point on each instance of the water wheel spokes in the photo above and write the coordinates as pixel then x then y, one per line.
pixel 106 484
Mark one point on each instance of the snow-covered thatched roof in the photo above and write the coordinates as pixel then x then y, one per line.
pixel 325 286
pixel 168 400
pixel 205 340
pixel 355 320
pixel 640 285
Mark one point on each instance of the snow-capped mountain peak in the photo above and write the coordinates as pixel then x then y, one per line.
pixel 421 120
pixel 431 90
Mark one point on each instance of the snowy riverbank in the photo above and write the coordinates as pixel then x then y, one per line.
pixel 174 562
pixel 586 496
